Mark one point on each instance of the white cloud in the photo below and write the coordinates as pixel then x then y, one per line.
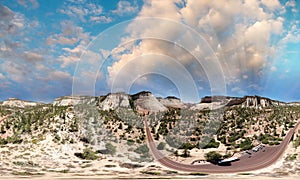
pixel 28 3
pixel 239 91
pixel 238 31
pixel 70 35
pixel 32 56
pixel 2 76
pixel 273 68
pixel 290 3
pixel 100 19
pixel 85 12
pixel 61 39
pixel 57 75
pixel 271 4
pixel 15 72
pixel 11 22
pixel 125 7
pixel 293 34
pixel 72 40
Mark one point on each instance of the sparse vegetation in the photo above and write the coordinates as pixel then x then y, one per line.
pixel 151 172
pixel 291 157
pixel 87 154
pixel 198 174
pixel 111 149
pixel 142 149
pixel 176 130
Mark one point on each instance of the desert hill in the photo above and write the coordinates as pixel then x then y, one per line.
pixel 80 134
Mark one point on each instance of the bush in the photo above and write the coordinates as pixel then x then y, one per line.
pixel 213 157
pixel 265 141
pixel 3 141
pixel 246 144
pixel 187 145
pixel 161 146
pixel 15 139
pixel 142 149
pixel 212 144
pixel 111 149
pixel 87 154
pixel 186 153
pixel 291 157
pixel 130 142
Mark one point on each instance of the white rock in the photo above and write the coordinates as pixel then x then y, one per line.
pixel 114 100
pixel 172 102
pixel 145 101
pixel 73 100
pixel 13 102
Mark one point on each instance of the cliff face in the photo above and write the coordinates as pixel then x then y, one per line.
pixel 73 100
pixel 259 102
pixel 245 102
pixel 172 102
pixel 114 100
pixel 145 101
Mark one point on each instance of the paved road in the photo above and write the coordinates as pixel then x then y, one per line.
pixel 258 160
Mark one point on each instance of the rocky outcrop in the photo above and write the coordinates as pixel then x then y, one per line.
pixel 256 102
pixel 208 102
pixel 73 100
pixel 13 102
pixel 171 102
pixel 145 101
pixel 114 100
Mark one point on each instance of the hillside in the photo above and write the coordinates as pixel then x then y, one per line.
pixel 82 135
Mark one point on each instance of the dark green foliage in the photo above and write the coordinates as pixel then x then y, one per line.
pixel 74 126
pixel 297 142
pixel 111 149
pixel 213 157
pixel 2 130
pixel 161 146
pixel 130 142
pixel 212 144
pixel 187 145
pixel 246 144
pixel 186 153
pixel 15 139
pixel 3 141
pixel 87 154
pixel 142 149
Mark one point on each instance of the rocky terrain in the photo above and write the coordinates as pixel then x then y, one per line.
pixel 105 135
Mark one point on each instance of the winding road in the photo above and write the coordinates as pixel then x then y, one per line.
pixel 257 160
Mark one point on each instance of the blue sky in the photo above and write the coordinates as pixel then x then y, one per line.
pixel 242 48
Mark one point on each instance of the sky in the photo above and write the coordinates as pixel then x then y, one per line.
pixel 183 48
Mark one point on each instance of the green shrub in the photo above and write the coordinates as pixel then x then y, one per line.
pixel 142 149
pixel 111 149
pixel 291 157
pixel 212 144
pixel 150 172
pixel 87 154
pixel 213 157
pixel 246 144
pixel 161 146
pixel 130 142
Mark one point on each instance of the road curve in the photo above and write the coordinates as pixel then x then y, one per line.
pixel 258 160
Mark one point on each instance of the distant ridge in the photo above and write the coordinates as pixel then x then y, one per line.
pixel 146 100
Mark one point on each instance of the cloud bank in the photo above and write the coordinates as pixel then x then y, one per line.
pixel 244 36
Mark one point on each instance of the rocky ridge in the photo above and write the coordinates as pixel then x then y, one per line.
pixel 13 102
pixel 147 101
